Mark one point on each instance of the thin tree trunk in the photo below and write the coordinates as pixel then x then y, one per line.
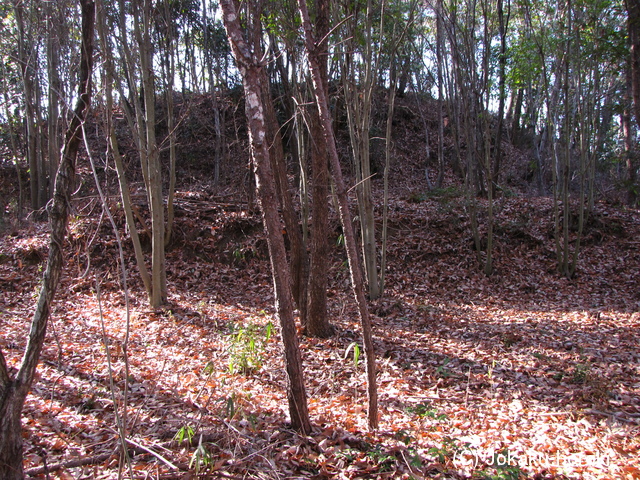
pixel 633 27
pixel 628 135
pixel 357 281
pixel 566 207
pixel 387 164
pixel 27 57
pixel 43 169
pixel 13 141
pixel 55 90
pixel 502 61
pixel 250 67
pixel 439 62
pixel 299 260
pixel 170 74
pixel 150 155
pixel 317 322
pixel 115 151
pixel 14 390
pixel 359 84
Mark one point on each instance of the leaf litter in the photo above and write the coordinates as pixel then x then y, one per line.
pixel 523 374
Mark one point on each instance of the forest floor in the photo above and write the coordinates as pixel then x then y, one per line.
pixel 521 374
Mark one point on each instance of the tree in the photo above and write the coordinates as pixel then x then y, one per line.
pixel 633 28
pixel 317 324
pixel 359 80
pixel 138 101
pixel 112 141
pixel 28 56
pixel 357 282
pixel 14 388
pixel 250 67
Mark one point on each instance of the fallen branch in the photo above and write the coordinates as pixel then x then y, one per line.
pixel 155 454
pixel 79 462
pixel 620 416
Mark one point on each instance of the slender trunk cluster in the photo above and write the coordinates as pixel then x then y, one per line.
pixel 14 389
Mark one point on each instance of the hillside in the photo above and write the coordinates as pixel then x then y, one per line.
pixel 522 374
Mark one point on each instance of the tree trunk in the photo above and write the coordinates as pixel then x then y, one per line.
pixel 54 93
pixel 357 281
pixel 502 59
pixel 317 322
pixel 152 161
pixel 359 82
pixel 633 26
pixel 27 58
pixel 13 391
pixel 299 260
pixel 170 71
pixel 115 151
pixel 250 67
pixel 628 136
pixel 517 113
pixel 440 78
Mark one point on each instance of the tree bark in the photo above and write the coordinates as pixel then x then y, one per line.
pixel 317 324
pixel 14 390
pixel 250 67
pixel 54 93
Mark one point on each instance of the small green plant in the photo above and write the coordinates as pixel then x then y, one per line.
pixel 445 194
pixel 442 370
pixel 200 458
pixel 208 368
pixel 383 459
pixel 417 197
pixel 356 353
pixel 403 436
pixel 505 468
pixel 230 406
pixel 340 240
pixel 424 409
pixel 238 255
pixel 247 347
pixel 444 452
pixel 581 373
pixel 348 454
pixel 541 356
pixel 268 331
pixel 186 432
pixel 415 460
pixel 202 306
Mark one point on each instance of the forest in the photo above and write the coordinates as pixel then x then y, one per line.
pixel 319 239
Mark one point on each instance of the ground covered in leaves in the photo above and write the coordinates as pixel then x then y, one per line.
pixel 522 374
